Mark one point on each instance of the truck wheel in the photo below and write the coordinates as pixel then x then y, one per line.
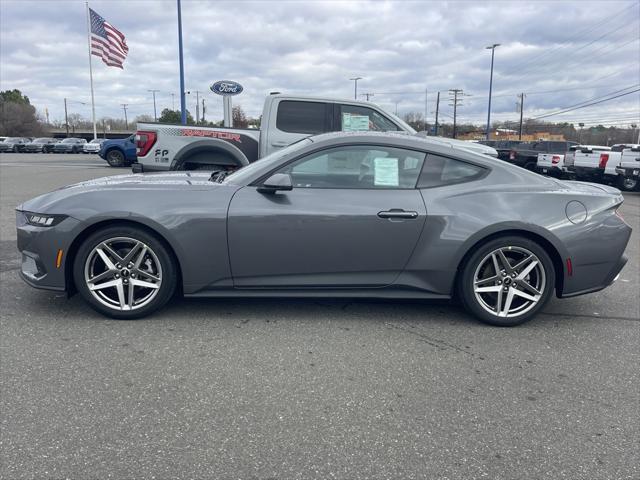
pixel 115 158
pixel 627 184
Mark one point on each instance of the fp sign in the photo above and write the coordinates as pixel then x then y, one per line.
pixel 226 88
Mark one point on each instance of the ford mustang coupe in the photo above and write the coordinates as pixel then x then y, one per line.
pixel 335 215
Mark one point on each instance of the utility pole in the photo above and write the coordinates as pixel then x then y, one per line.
pixel 455 92
pixel 522 95
pixel 368 95
pixel 203 110
pixel 173 101
pixel 155 114
pixel 397 102
pixel 437 110
pixel 493 51
pixel 425 111
pixel 126 124
pixel 355 86
pixel 66 118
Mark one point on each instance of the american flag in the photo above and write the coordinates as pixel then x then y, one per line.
pixel 107 42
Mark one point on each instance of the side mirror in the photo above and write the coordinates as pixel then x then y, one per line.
pixel 276 182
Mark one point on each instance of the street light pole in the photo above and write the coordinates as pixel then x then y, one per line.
pixel 493 51
pixel 355 86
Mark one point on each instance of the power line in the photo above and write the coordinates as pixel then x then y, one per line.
pixel 587 105
pixel 567 43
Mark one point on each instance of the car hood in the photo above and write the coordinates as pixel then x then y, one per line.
pixel 119 184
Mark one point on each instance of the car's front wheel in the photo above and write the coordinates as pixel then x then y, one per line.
pixel 506 281
pixel 124 272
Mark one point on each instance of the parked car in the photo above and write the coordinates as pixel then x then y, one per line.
pixel 44 145
pixel 526 154
pixel 502 147
pixel 335 215
pixel 553 164
pixel 93 146
pixel 475 147
pixel 285 120
pixel 629 168
pixel 69 145
pixel 120 152
pixel 599 165
pixel 13 144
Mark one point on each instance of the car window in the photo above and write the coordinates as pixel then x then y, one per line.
pixel 439 171
pixel 372 167
pixel 540 147
pixel 302 117
pixel 354 118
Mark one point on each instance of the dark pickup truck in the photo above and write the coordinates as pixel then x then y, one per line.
pixel 503 147
pixel 526 154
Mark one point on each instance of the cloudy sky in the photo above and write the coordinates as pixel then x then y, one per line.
pixel 561 54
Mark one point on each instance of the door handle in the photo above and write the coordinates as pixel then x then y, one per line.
pixel 279 144
pixel 397 213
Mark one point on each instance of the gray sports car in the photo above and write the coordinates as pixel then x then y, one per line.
pixel 336 215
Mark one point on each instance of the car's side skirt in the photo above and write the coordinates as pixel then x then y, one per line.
pixel 323 293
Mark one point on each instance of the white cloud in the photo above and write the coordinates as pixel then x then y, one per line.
pixel 400 48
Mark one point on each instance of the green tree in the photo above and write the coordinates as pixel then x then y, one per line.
pixel 15 96
pixel 173 116
pixel 17 116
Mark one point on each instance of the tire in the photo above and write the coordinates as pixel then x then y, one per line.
pixel 115 158
pixel 15 149
pixel 515 308
pixel 151 264
pixel 627 184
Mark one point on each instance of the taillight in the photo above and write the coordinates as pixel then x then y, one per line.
pixel 144 142
pixel 512 155
pixel 555 159
pixel 604 158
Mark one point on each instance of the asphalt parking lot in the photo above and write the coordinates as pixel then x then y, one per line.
pixel 279 389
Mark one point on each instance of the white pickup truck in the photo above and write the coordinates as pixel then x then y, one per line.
pixel 553 164
pixel 629 168
pixel 285 120
pixel 598 163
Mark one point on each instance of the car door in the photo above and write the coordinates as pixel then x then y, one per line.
pixel 293 120
pixel 351 220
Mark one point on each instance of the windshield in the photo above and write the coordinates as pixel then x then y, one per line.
pixel 41 140
pixel 240 176
pixel 13 139
pixel 96 140
pixel 69 140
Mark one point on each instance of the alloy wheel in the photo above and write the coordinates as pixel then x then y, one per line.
pixel 509 281
pixel 123 273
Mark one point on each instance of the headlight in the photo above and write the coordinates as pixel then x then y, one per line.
pixel 40 220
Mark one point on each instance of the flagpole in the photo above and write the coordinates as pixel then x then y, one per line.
pixel 183 108
pixel 93 104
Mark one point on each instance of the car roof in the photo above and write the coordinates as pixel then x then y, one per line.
pixel 401 140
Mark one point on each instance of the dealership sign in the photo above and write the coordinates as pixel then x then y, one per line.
pixel 226 88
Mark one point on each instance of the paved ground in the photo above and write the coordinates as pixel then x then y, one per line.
pixel 310 389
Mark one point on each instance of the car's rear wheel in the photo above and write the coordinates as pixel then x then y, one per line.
pixel 115 158
pixel 627 184
pixel 507 281
pixel 124 272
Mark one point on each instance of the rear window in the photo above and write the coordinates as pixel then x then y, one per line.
pixel 302 117
pixel 438 171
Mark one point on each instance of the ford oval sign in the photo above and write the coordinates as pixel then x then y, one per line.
pixel 226 87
